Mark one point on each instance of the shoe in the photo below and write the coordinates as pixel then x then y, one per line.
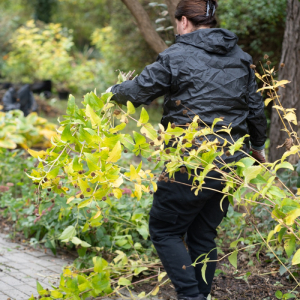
pixel 200 297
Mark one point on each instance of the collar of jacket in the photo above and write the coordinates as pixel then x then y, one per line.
pixel 215 40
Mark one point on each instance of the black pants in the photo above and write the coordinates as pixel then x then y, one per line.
pixel 176 211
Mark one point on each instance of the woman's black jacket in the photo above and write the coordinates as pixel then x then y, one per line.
pixel 211 75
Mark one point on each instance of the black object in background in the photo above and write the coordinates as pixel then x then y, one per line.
pixel 21 99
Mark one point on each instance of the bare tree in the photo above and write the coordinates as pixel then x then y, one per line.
pixel 145 26
pixel 290 95
pixel 171 9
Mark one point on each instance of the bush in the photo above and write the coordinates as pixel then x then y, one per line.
pixel 30 131
pixel 41 52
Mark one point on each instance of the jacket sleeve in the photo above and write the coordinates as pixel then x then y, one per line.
pixel 153 82
pixel 256 120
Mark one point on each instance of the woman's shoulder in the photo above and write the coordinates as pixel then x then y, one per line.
pixel 174 52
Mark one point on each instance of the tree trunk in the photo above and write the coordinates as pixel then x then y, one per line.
pixel 172 4
pixel 145 25
pixel 290 95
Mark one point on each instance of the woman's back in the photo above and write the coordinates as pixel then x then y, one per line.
pixel 210 74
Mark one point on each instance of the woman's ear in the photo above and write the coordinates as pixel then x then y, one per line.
pixel 184 22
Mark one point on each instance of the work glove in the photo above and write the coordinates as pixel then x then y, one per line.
pixel 259 155
pixel 123 77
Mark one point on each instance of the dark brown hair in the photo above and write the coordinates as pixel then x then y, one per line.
pixel 196 12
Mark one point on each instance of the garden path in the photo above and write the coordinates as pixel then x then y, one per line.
pixel 21 267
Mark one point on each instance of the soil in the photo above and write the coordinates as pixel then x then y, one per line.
pixel 262 284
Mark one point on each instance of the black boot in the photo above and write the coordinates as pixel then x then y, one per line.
pixel 200 297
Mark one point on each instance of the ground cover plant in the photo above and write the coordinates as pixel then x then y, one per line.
pixel 30 131
pixel 88 154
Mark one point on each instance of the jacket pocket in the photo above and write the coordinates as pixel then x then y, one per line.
pixel 163 214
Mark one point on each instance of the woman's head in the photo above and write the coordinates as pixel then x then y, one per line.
pixel 193 14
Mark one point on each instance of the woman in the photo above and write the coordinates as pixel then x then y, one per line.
pixel 212 76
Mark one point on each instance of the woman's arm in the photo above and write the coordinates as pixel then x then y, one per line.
pixel 153 82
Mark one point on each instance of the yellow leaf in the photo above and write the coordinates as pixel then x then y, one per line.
pixel 258 76
pixel 296 258
pixel 118 182
pixel 97 214
pixel 292 216
pixel 70 199
pixel 133 173
pixel 293 150
pixel 138 191
pixel 155 291
pixel 116 153
pixel 117 193
pixel 281 82
pixel 268 100
pixel 265 88
pixel 291 117
pixel 161 276
pixel 142 295
pixel 36 154
pixel 278 107
pixel 154 186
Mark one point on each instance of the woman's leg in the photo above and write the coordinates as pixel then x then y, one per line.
pixel 173 253
pixel 201 239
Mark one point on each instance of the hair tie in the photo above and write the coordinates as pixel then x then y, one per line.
pixel 210 5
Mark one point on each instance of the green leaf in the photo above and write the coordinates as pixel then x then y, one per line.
pixel 124 281
pixel 76 165
pixel 68 234
pixel 203 269
pixel 233 258
pixel 84 186
pixel 144 118
pixel 234 243
pixel 76 241
pixel 117 128
pixel 53 173
pixel 276 191
pixel 290 245
pixel 99 264
pixel 72 107
pixel 278 294
pixel 289 296
pixel 130 108
pixel 139 139
pixel 284 165
pixel 39 287
pixel 56 294
pixel 93 101
pixel 143 231
pixel 66 135
pixel 149 131
pixel 93 116
pixel 251 173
